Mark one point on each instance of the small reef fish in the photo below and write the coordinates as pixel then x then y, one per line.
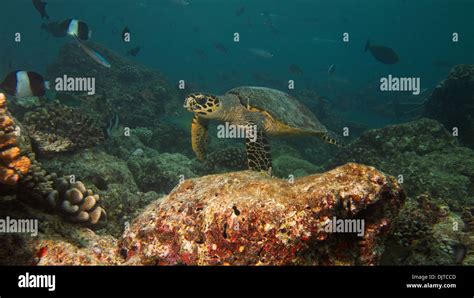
pixel 383 54
pixel 240 11
pixel 41 8
pixel 323 40
pixel 260 53
pixel 295 69
pixel 331 69
pixel 93 54
pixel 125 33
pixel 71 27
pixel 201 53
pixel 220 47
pixel 42 252
pixel 134 52
pixel 24 84
pixel 179 2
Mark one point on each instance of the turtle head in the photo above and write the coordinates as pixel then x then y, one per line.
pixel 204 105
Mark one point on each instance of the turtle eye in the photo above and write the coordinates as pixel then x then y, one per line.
pixel 202 100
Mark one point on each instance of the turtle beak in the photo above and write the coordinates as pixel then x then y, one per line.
pixel 187 104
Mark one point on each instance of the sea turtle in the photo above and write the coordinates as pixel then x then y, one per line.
pixel 270 111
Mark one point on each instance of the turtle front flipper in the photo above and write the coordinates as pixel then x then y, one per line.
pixel 332 138
pixel 200 136
pixel 258 149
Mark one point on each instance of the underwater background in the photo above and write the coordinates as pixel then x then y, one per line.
pixel 424 141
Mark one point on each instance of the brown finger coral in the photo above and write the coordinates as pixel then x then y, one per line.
pixel 77 203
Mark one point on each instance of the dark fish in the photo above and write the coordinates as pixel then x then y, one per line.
pixel 240 11
pixel 69 27
pixel 196 29
pixel 24 84
pixel 331 69
pixel 126 34
pixel 134 52
pixel 220 47
pixel 201 53
pixel 41 8
pixel 295 69
pixel 383 54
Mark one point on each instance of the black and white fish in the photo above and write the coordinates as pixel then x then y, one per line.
pixel 41 8
pixel 22 83
pixel 383 54
pixel 71 27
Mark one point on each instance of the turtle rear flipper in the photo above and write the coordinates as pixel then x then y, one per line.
pixel 200 136
pixel 332 138
pixel 258 150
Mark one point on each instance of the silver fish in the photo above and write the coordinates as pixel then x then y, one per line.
pixel 261 53
pixel 93 54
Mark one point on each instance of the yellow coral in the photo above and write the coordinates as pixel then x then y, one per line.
pixel 22 164
pixel 10 154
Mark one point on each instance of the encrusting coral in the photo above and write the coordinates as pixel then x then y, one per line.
pixel 22 174
pixel 59 128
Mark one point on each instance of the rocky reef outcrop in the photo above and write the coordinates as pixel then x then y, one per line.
pixel 246 218
pixel 437 175
pixel 240 218
pixel 452 103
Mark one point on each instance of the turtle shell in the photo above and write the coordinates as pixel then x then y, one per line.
pixel 281 106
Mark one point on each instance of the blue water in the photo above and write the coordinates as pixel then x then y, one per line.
pixel 169 33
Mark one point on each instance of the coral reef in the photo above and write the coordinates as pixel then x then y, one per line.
pixel 437 175
pixel 451 103
pixel 144 134
pixel 424 153
pixel 25 176
pixel 59 128
pixel 108 176
pixel 226 159
pixel 286 165
pixel 120 89
pixel 246 218
pixel 160 172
